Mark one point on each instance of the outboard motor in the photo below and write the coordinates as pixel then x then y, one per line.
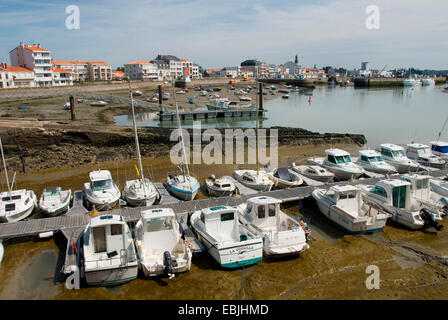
pixel 168 263
pixel 429 220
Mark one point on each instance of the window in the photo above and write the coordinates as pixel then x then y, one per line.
pixel 422 184
pixel 227 216
pixel 399 197
pixel 379 158
pixel 347 159
pixel 364 158
pixel 379 191
pixel 386 152
pixel 331 158
pixel 261 212
pixel 10 207
pixel 101 185
pixel 159 224
pixel 271 209
pixel 202 217
pixel 340 159
pixel 99 237
pixel 116 229
pixel 372 159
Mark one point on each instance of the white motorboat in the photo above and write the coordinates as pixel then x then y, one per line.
pixel 138 93
pixel 439 186
pixel 313 172
pixel 282 235
pixel 99 103
pixel 55 201
pixel 225 104
pixel 395 156
pixel 423 155
pixel 254 179
pixel 344 206
pixel 15 205
pixel 101 192
pixel 245 98
pixel 285 178
pixel 339 162
pixel 222 187
pixel 160 247
pixel 108 254
pixel 372 161
pixel 411 82
pixel 140 191
pixel 228 241
pixel 428 82
pixel 394 196
pixel 439 148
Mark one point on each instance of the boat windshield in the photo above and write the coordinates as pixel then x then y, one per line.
pixel 373 159
pixel 343 159
pixel 11 198
pixel 379 158
pixel 398 153
pixel 425 152
pixel 51 191
pixel 159 224
pixel 101 185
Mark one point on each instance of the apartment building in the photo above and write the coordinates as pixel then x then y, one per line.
pixel 34 58
pixel 79 69
pixel 141 70
pixel 99 70
pixel 62 77
pixel 15 77
pixel 175 67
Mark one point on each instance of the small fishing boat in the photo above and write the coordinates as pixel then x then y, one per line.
pixel 228 241
pixel 160 247
pixel 313 172
pixel 285 178
pixel 339 162
pixel 344 206
pixel 372 161
pixel 138 93
pixel 394 196
pixel 395 156
pixel 99 103
pixel 439 148
pixel 108 254
pixel 101 192
pixel 423 155
pixel 254 179
pixel 222 187
pixel 282 235
pixel 285 96
pixel 55 201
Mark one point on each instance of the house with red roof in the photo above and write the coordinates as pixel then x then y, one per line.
pixel 15 77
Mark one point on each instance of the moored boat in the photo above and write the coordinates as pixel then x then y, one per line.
pixel 372 161
pixel 254 179
pixel 285 178
pixel 423 155
pixel 222 187
pixel 313 172
pixel 55 201
pixel 395 156
pixel 101 192
pixel 339 162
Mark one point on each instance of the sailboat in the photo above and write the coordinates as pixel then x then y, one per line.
pixel 183 186
pixel 254 179
pixel 141 191
pixel 15 205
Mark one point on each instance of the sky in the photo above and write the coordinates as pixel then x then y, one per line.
pixel 218 33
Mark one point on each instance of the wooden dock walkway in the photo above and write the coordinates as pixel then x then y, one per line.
pixel 210 114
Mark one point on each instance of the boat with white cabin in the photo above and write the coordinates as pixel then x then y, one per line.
pixel 344 206
pixel 285 178
pixel 55 201
pixel 423 155
pixel 411 82
pixel 222 187
pixel 313 172
pixel 339 162
pixel 395 156
pixel 282 235
pixel 107 255
pixel 159 243
pixel 372 161
pixel 254 179
pixel 227 240
pixel 101 192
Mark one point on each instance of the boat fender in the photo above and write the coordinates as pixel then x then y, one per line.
pixel 48 234
pixel 168 263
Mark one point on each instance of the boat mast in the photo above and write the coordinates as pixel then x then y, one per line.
pixel 137 146
pixel 4 166
pixel 257 101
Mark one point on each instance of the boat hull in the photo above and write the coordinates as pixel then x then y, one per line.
pixel 182 194
pixel 111 277
pixel 22 214
pixel 53 213
pixel 133 202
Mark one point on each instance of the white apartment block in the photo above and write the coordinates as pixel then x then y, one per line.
pixel 62 77
pixel 141 70
pixel 36 59
pixel 99 70
pixel 15 77
pixel 79 69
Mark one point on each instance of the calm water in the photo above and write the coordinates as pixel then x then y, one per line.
pixel 396 115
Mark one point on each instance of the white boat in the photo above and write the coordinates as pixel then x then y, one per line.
pixel 55 201
pixel 2 251
pixel 282 235
pixel 138 93
pixel 222 187
pixel 439 148
pixel 98 103
pixel 183 186
pixel 108 254
pixel 439 186
pixel 225 104
pixel 203 93
pixel 344 206
pixel 339 162
pixel 254 179
pixel 372 161
pixel 428 82
pixel 394 196
pixel 285 178
pixel 228 241
pixel 313 172
pixel 101 192
pixel 15 205
pixel 423 155
pixel 160 247
pixel 140 191
pixel 245 98
pixel 411 82
pixel 395 156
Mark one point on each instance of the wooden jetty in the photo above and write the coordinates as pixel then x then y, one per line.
pixel 211 114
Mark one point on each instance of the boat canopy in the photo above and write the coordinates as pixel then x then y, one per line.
pixel 439 146
pixel 283 174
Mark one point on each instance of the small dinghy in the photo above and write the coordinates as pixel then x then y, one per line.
pixel 254 179
pixel 282 235
pixel 55 201
pixel 228 241
pixel 219 187
pixel 108 254
pixel 313 172
pixel 101 192
pixel 159 243
pixel 344 206
pixel 285 178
